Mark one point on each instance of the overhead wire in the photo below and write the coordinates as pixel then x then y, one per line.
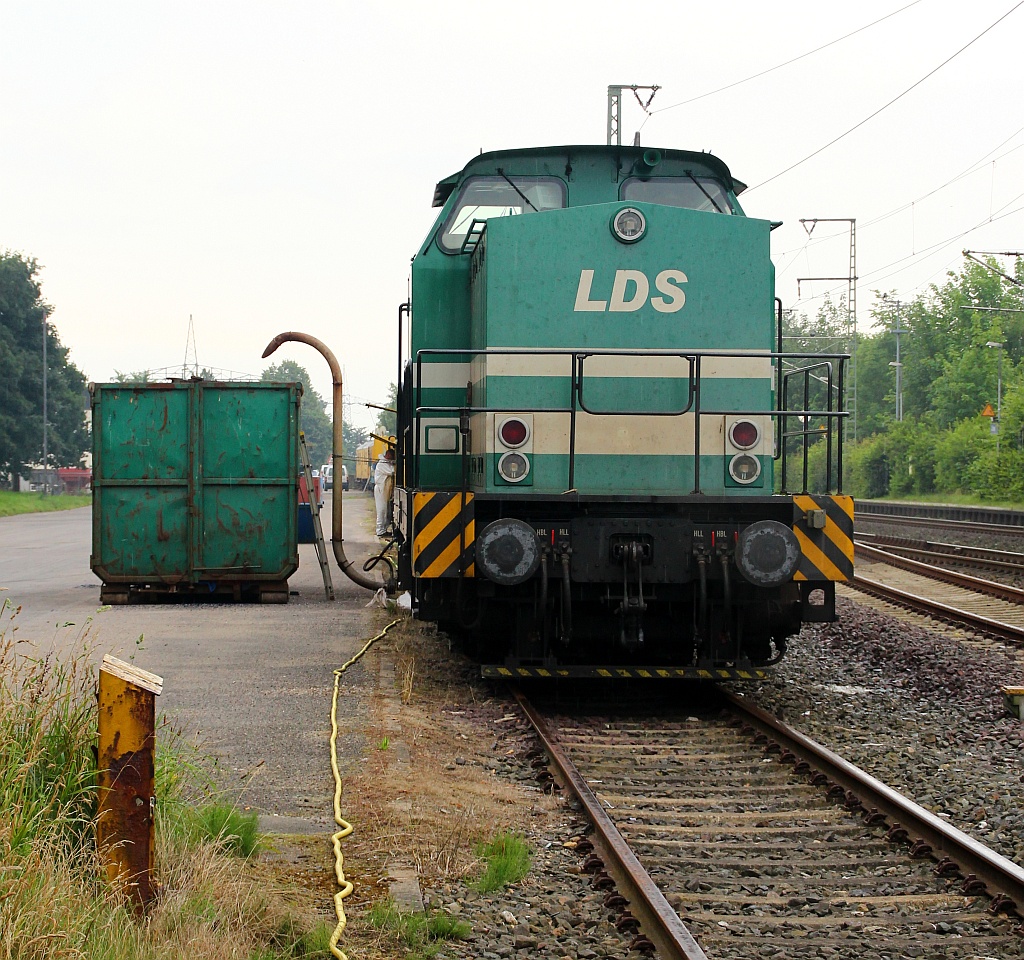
pixel 927 251
pixel 786 63
pixel 886 106
pixel 945 243
pixel 972 168
pixel 975 167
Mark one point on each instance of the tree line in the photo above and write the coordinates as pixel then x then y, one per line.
pixel 24 320
pixel 960 350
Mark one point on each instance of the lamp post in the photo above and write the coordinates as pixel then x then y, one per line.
pixel 899 389
pixel 46 453
pixel 899 366
pixel 999 391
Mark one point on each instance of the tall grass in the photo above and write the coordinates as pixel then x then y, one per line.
pixel 508 861
pixel 54 898
pixel 12 504
pixel 422 934
pixel 47 732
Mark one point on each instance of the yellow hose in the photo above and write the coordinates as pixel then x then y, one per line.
pixel 344 886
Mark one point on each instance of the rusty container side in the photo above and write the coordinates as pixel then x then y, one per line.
pixel 194 483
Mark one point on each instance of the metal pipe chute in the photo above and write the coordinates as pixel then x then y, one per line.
pixel 347 567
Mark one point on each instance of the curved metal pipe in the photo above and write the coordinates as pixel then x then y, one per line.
pixel 347 567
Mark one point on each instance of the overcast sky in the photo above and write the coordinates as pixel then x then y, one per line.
pixel 263 167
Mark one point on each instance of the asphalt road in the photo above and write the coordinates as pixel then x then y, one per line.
pixel 251 683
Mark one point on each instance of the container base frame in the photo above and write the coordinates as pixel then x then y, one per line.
pixel 271 591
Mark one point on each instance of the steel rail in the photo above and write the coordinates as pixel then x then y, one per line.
pixel 1001 876
pixel 986 587
pixel 658 920
pixel 1009 529
pixel 992 519
pixel 942 611
pixel 927 550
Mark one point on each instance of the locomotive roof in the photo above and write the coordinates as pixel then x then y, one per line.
pixel 536 161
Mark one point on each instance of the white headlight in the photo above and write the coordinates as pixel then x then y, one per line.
pixel 513 467
pixel 744 468
pixel 629 225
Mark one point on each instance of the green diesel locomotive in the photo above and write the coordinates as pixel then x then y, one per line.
pixel 595 416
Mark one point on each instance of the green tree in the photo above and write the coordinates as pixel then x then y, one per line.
pixel 948 372
pixel 133 376
pixel 352 437
pixel 23 316
pixel 876 383
pixel 314 420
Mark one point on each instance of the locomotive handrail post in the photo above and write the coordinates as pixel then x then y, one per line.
pixel 778 376
pixel 464 444
pixel 418 391
pixel 576 377
pixel 807 426
pixel 828 434
pixel 696 428
pixel 403 309
pixel 786 433
pixel 839 428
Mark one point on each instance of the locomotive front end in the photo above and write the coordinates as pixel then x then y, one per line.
pixel 589 463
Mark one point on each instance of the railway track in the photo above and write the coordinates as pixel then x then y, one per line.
pixel 946 554
pixel 731 836
pixel 982 519
pixel 993 608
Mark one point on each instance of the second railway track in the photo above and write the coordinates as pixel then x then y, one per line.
pixel 992 608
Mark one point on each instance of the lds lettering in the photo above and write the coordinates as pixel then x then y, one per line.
pixel 630 291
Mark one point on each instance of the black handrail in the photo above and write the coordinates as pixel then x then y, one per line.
pixel 780 413
pixel 807 373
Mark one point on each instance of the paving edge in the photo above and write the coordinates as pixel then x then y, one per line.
pixel 403 877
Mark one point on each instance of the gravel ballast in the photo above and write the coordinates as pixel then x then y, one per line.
pixel 918 709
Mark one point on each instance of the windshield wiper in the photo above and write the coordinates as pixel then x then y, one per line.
pixel 501 173
pixel 700 186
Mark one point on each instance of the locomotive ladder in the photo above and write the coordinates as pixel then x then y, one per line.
pixel 314 511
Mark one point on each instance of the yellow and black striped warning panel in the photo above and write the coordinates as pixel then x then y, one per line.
pixel 498 671
pixel 824 527
pixel 442 522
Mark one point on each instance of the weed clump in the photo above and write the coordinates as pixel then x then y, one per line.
pixel 424 935
pixel 508 861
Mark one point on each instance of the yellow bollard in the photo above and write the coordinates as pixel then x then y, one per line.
pixel 124 820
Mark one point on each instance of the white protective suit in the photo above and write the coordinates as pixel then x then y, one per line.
pixel 383 485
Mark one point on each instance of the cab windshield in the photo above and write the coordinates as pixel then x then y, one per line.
pixel 694 193
pixel 484 197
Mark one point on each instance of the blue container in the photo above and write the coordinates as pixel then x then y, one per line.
pixel 306 524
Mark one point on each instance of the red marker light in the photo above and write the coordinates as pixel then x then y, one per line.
pixel 744 434
pixel 513 432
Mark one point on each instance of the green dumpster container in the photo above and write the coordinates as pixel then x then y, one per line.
pixel 194 489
